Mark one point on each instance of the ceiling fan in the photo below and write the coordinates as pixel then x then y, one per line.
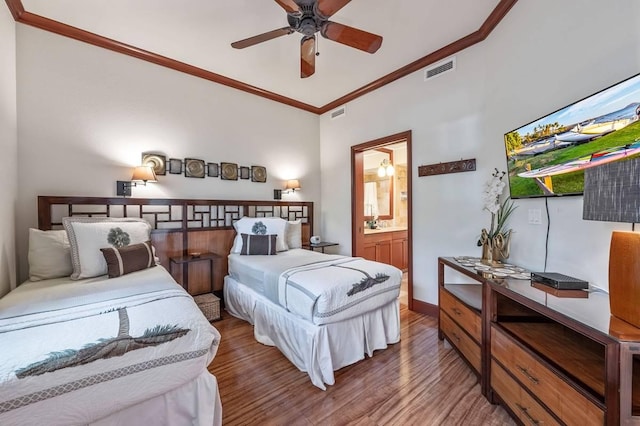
pixel 309 17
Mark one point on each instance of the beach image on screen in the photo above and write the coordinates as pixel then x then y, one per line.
pixel 547 157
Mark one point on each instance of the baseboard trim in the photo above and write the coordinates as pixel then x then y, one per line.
pixel 425 308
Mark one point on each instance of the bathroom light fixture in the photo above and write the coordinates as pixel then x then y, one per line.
pixel 292 185
pixel 386 169
pixel 141 175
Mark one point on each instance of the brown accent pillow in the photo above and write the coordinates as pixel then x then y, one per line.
pixel 127 259
pixel 258 244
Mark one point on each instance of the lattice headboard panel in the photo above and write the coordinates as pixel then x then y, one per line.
pixel 179 226
pixel 169 214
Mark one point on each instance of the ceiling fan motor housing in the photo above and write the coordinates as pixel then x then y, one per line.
pixel 308 22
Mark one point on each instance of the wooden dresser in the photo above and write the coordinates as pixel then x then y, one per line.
pixel 546 359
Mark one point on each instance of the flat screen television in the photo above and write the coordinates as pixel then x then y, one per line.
pixel 547 157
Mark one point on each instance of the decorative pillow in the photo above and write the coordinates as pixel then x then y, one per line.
pixel 260 226
pixel 293 234
pixel 49 254
pixel 258 244
pixel 124 260
pixel 87 235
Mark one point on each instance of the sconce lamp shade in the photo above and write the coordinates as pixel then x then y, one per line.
pixel 144 173
pixel 292 185
pixel 612 192
pixel 141 174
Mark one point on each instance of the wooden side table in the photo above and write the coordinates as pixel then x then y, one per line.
pixel 184 260
pixel 321 245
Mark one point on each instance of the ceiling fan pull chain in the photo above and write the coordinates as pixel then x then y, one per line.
pixel 317 39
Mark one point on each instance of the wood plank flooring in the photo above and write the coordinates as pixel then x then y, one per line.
pixel 419 381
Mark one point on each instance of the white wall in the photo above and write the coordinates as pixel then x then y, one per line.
pixel 9 149
pixel 86 114
pixel 543 56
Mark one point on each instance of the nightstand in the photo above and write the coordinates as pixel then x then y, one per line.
pixel 321 245
pixel 186 259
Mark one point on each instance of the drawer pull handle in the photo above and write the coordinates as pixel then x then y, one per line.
pixel 457 311
pixel 525 411
pixel 455 336
pixel 528 375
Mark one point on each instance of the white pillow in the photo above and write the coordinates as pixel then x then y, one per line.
pixel 87 235
pixel 260 226
pixel 49 254
pixel 293 234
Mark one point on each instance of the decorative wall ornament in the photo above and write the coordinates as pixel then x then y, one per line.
pixel 157 161
pixel 175 166
pixel 244 172
pixel 258 174
pixel 213 170
pixel 194 168
pixel 229 171
pixel 445 168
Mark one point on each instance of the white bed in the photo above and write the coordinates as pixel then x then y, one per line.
pixel 325 332
pixel 161 377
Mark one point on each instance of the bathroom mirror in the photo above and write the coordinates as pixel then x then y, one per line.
pixel 378 184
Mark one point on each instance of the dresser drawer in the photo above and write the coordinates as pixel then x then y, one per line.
pixel 568 404
pixel 521 403
pixel 467 319
pixel 470 349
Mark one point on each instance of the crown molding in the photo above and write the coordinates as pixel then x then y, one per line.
pixel 16 8
pixel 43 23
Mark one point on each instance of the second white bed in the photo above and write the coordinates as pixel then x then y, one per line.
pixel 318 350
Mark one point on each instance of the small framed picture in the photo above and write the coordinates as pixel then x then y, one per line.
pixel 175 166
pixel 244 172
pixel 258 174
pixel 213 170
pixel 157 161
pixel 229 171
pixel 193 168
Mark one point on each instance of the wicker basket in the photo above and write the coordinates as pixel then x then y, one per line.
pixel 209 304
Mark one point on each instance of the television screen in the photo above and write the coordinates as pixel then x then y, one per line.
pixel 548 156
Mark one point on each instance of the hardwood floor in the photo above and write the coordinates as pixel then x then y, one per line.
pixel 420 380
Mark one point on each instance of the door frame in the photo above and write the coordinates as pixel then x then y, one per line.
pixel 357 199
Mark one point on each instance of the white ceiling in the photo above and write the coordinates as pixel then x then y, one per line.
pixel 199 33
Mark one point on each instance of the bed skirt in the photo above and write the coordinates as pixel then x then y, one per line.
pixel 318 350
pixel 194 403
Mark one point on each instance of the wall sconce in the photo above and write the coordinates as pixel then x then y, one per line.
pixel 141 175
pixel 386 169
pixel 291 186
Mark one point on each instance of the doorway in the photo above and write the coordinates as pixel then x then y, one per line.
pixel 381 223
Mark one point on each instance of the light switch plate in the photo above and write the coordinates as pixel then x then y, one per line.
pixel 535 216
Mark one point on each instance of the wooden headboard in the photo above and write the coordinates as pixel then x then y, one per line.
pixel 180 226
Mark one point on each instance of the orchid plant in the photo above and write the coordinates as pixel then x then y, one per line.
pixel 500 211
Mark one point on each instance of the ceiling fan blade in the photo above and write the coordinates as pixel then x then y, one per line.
pixel 307 56
pixel 241 44
pixel 290 6
pixel 350 36
pixel 326 8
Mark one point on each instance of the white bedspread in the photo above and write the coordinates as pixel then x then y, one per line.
pixel 324 288
pixel 75 352
pixel 318 350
